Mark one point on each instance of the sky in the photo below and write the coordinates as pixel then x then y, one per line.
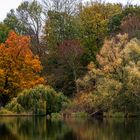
pixel 6 5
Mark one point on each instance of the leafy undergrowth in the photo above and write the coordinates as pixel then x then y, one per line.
pixel 4 111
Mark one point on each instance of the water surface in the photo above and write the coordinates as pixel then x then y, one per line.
pixel 28 128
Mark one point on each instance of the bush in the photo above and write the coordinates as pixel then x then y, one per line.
pixel 4 111
pixel 39 100
pixel 62 102
pixel 86 102
pixel 14 106
pixel 11 105
pixel 18 108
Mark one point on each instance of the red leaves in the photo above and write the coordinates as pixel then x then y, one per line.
pixel 70 48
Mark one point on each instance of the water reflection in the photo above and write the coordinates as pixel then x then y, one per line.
pixel 27 128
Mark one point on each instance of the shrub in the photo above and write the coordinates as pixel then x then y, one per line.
pixel 62 102
pixel 83 103
pixel 18 108
pixel 4 111
pixel 14 106
pixel 11 105
pixel 39 100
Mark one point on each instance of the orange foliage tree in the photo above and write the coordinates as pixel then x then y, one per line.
pixel 19 68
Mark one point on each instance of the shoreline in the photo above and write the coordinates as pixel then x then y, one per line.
pixel 35 115
pixel 21 115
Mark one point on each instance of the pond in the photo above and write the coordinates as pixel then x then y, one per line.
pixel 27 128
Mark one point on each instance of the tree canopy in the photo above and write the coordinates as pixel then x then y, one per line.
pixel 19 68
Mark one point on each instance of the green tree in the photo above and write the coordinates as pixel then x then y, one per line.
pixel 13 23
pixel 38 100
pixel 4 31
pixel 27 20
pixel 59 29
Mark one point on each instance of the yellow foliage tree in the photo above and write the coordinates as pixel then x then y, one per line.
pixel 95 19
pixel 19 68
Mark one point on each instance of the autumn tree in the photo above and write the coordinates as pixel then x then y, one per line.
pixel 130 25
pixel 19 68
pixel 118 76
pixel 60 27
pixel 95 18
pixel 126 22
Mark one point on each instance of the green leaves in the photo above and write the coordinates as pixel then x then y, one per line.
pixel 38 100
pixel 4 31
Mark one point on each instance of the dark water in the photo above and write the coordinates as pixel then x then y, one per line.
pixel 27 128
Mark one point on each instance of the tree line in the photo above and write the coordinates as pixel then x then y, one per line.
pixel 88 51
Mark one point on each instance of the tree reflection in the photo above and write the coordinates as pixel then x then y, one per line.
pixel 27 128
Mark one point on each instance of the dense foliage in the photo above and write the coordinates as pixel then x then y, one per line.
pixel 19 67
pixel 117 77
pixel 38 100
pixel 88 51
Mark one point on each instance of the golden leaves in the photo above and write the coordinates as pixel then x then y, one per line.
pixel 18 64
